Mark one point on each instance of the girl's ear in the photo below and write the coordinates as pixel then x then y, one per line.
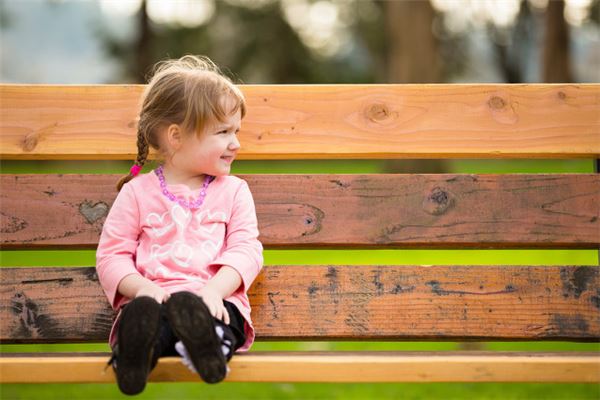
pixel 174 137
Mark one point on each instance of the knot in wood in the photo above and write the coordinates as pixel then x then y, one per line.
pixel 437 201
pixel 30 141
pixel 312 220
pixel 378 112
pixel 496 103
pixel 93 213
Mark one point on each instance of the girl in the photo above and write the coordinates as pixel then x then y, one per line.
pixel 179 247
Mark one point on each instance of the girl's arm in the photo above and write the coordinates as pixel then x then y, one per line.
pixel 135 285
pixel 115 255
pixel 244 251
pixel 226 281
pixel 237 267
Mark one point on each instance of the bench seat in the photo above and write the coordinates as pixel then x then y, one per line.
pixel 471 366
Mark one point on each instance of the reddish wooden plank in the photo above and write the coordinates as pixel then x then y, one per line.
pixel 340 302
pixel 322 121
pixel 343 211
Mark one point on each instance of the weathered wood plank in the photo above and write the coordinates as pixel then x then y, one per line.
pixel 323 121
pixel 339 211
pixel 340 302
pixel 327 367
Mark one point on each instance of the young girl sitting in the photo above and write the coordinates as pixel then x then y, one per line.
pixel 179 247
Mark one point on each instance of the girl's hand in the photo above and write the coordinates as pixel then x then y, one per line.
pixel 214 302
pixel 156 292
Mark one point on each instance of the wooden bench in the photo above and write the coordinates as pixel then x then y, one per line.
pixel 337 211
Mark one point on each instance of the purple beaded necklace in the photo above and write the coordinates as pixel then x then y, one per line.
pixel 193 204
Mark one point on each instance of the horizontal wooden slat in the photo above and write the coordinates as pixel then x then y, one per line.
pixel 327 367
pixel 40 305
pixel 323 121
pixel 339 211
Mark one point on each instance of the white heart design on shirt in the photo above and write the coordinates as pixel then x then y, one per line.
pixel 156 251
pixel 199 217
pixel 182 254
pixel 214 246
pixel 181 216
pixel 159 227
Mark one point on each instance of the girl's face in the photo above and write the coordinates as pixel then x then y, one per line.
pixel 213 152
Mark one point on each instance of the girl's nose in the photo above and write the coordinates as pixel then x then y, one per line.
pixel 235 144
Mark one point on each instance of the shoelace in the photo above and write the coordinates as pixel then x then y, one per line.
pixel 113 358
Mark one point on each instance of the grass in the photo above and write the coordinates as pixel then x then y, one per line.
pixel 325 391
pixel 261 391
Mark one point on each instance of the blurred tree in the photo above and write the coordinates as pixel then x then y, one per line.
pixel 135 55
pixel 5 18
pixel 513 46
pixel 556 65
pixel 595 12
pixel 412 49
pixel 142 50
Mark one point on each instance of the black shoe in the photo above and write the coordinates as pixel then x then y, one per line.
pixel 193 324
pixel 138 333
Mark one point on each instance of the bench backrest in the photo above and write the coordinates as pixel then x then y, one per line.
pixel 366 211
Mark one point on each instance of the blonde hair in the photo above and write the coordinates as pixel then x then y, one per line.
pixel 190 92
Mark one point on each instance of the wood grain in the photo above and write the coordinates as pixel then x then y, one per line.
pixel 339 211
pixel 323 121
pixel 325 367
pixel 46 305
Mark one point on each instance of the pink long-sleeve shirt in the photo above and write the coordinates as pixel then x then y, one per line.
pixel 177 248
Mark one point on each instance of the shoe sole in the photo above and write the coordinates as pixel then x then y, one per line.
pixel 193 324
pixel 138 333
